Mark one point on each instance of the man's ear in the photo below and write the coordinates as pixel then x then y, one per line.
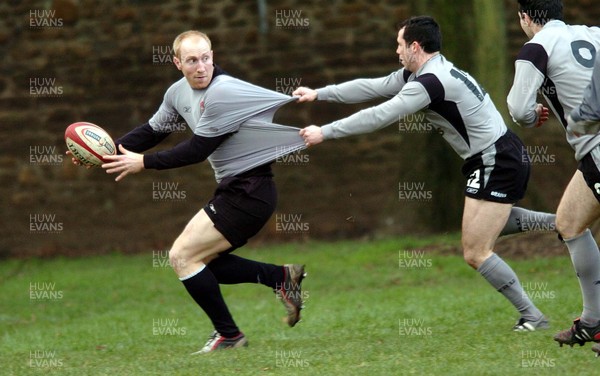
pixel 177 62
pixel 525 18
pixel 415 46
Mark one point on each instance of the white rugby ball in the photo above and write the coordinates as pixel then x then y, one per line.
pixel 89 143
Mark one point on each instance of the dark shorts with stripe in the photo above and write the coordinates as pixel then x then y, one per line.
pixel 589 167
pixel 499 173
pixel 242 205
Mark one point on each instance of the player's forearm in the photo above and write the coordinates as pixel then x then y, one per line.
pixel 341 93
pixel 525 117
pixel 365 121
pixel 362 90
pixel 522 104
pixel 356 91
pixel 141 138
pixel 194 150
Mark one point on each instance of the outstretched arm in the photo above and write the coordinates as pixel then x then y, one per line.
pixel 141 138
pixel 194 150
pixel 412 98
pixel 356 91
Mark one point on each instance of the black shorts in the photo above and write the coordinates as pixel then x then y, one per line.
pixel 499 173
pixel 591 173
pixel 241 206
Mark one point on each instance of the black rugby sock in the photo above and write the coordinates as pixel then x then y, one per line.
pixel 204 288
pixel 230 269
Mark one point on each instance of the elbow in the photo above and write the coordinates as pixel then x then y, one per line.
pixel 515 112
pixel 520 116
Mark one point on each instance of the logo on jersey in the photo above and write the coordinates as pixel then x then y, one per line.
pixel 187 109
pixel 202 106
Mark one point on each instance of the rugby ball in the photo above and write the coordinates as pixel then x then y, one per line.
pixel 89 143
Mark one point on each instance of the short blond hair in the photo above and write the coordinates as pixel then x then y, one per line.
pixel 186 34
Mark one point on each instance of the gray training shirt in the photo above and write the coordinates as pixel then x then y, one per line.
pixel 230 105
pixel 451 100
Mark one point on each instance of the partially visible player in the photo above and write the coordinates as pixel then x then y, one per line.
pixel 496 162
pixel 231 124
pixel 585 119
pixel 558 61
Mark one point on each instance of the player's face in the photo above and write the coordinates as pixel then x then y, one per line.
pixel 405 53
pixel 195 62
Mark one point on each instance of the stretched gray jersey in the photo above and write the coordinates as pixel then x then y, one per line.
pixel 230 105
pixel 450 100
pixel 558 62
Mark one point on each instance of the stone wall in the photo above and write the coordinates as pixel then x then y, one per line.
pixel 109 62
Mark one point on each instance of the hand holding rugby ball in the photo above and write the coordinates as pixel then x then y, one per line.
pixel 88 143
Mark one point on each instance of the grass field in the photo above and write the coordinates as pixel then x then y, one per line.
pixel 373 308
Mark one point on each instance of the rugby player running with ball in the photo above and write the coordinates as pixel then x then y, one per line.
pixel 231 122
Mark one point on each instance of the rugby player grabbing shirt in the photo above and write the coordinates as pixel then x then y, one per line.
pixel 558 62
pixel 496 164
pixel 231 122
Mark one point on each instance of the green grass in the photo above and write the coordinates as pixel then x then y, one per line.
pixel 366 314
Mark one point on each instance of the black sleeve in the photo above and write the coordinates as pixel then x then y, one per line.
pixel 141 139
pixel 191 151
pixel 536 54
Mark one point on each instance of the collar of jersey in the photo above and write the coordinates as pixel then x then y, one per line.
pixel 435 57
pixel 554 23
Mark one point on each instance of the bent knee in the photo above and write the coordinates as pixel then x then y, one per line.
pixel 474 257
pixel 471 259
pixel 177 258
pixel 568 229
